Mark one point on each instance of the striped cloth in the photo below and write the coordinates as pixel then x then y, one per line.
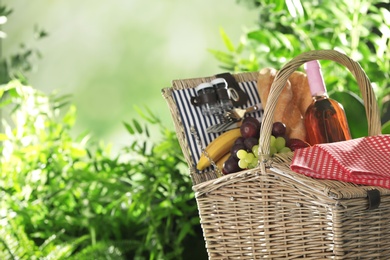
pixel 362 161
pixel 192 118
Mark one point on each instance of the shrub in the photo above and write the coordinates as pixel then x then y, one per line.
pixel 284 29
pixel 70 197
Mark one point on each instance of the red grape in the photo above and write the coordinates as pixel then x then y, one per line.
pixel 250 142
pixel 294 144
pixel 250 127
pixel 239 140
pixel 278 129
pixel 230 166
pixel 235 148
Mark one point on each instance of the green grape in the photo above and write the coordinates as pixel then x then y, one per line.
pixel 254 162
pixel 285 150
pixel 249 157
pixel 241 154
pixel 242 164
pixel 252 165
pixel 272 150
pixel 272 142
pixel 280 142
pixel 255 150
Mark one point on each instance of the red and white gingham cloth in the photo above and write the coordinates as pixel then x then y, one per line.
pixel 363 160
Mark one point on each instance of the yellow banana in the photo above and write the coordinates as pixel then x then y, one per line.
pixel 218 148
pixel 221 161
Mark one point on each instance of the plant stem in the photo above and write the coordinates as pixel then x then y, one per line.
pixel 356 27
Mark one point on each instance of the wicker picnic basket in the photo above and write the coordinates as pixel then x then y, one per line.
pixel 273 212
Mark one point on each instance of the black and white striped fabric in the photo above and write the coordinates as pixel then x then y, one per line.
pixel 193 120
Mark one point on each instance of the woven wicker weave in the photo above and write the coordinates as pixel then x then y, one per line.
pixel 272 212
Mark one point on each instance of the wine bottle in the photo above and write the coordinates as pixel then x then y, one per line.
pixel 325 119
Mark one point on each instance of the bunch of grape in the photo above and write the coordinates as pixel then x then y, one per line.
pixel 244 152
pixel 278 142
pixel 247 144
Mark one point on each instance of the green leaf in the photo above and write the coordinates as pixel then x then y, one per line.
pixel 5 102
pixel 228 43
pixel 185 230
pixel 129 128
pixel 77 152
pixel 223 57
pixel 147 114
pixel 355 112
pixel 137 126
pixel 386 128
pixel 14 92
pixel 284 40
pixel 70 116
pixel 240 48
pixel 258 35
pixel 63 98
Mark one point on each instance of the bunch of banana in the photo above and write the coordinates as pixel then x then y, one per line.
pixel 218 148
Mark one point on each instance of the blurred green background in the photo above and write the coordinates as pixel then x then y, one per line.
pixel 65 197
pixel 112 55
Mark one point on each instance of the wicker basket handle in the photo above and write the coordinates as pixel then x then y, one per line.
pixel 371 106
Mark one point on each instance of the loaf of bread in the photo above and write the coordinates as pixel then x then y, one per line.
pixel 292 103
pixel 301 90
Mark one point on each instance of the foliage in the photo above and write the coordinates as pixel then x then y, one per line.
pixel 286 28
pixel 16 65
pixel 65 197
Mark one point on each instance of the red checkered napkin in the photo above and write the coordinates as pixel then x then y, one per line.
pixel 362 161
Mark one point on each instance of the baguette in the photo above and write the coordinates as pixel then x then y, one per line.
pixel 301 91
pixel 292 102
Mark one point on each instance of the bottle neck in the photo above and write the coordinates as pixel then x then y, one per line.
pixel 315 78
pixel 320 97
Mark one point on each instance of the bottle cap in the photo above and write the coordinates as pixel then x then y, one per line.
pixel 219 81
pixel 314 76
pixel 203 86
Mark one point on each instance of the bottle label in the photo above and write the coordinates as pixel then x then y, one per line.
pixel 314 76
